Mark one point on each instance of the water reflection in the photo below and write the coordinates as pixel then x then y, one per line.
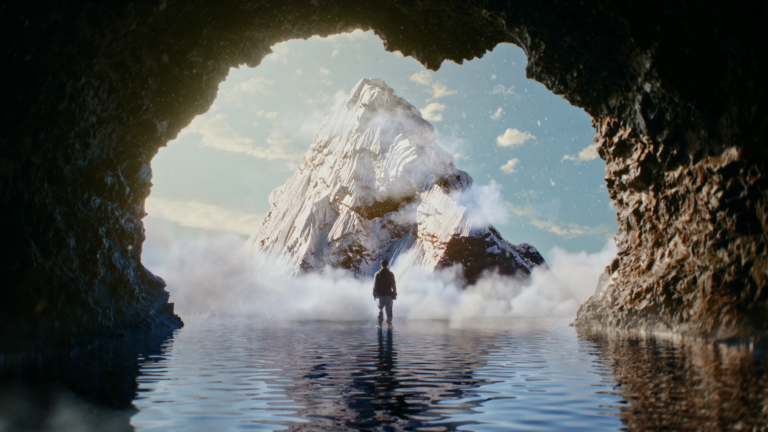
pixel 687 384
pixel 86 389
pixel 515 374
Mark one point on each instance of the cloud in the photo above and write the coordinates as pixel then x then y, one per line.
pixel 497 114
pixel 436 89
pixel 432 112
pixel 198 215
pixel 571 230
pixel 510 166
pixel 581 270
pixel 439 91
pixel 421 77
pixel 522 210
pixel 507 91
pixel 492 202
pixel 207 276
pixel 324 71
pixel 587 154
pixel 449 138
pixel 513 137
pixel 217 134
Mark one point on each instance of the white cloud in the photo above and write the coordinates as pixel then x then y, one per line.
pixel 198 215
pixel 279 53
pixel 512 137
pixel 432 112
pixel 581 270
pixel 570 230
pixel 324 71
pixel 510 166
pixel 217 134
pixel 421 77
pixel 207 276
pixel 587 154
pixel 492 203
pixel 450 138
pixel 436 89
pixel 507 91
pixel 497 114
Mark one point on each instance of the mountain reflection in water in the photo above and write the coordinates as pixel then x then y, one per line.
pixel 234 374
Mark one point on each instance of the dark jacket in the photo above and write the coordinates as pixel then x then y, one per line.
pixel 384 283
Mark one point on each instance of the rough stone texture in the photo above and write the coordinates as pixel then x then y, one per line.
pixel 676 89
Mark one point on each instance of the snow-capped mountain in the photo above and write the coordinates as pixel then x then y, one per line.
pixel 374 185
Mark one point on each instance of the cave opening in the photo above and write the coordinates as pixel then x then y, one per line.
pixel 96 91
pixel 677 94
pixel 536 171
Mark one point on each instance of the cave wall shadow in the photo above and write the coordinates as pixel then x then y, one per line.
pixel 676 91
pixel 90 387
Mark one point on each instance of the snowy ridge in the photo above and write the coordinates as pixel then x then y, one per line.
pixel 374 185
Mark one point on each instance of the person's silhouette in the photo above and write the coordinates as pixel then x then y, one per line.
pixel 384 292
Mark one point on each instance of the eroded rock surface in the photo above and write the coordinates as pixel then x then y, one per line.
pixel 676 89
pixel 375 185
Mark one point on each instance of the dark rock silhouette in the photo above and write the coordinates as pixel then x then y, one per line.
pixel 676 90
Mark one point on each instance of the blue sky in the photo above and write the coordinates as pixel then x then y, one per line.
pixel 530 152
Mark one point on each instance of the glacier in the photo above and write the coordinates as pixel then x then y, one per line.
pixel 373 185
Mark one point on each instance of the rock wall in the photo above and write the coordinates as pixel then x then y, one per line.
pixel 91 90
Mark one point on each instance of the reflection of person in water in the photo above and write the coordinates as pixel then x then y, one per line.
pixel 384 291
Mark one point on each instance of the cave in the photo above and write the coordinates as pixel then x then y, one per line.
pixel 675 89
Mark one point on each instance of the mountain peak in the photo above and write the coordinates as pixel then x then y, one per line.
pixel 374 184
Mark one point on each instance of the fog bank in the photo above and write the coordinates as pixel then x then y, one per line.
pixel 210 276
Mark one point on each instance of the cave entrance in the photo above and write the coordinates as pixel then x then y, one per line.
pixel 530 152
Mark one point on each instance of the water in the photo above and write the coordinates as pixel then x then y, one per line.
pixel 516 374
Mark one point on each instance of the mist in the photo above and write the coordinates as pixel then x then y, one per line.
pixel 212 275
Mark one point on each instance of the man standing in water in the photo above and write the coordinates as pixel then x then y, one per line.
pixel 384 291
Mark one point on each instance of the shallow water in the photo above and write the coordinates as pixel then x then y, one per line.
pixel 515 374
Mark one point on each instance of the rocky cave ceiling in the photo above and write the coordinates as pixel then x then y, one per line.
pixel 676 90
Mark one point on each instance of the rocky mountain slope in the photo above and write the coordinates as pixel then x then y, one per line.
pixel 374 185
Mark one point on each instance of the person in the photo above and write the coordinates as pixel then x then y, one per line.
pixel 384 292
